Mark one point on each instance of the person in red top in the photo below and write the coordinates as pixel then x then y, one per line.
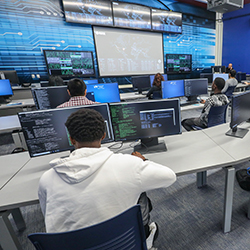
pixel 77 90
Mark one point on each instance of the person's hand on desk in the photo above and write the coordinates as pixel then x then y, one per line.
pixel 248 83
pixel 202 101
pixel 139 155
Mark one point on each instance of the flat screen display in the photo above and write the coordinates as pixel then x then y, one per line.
pixel 91 81
pixel 136 120
pixel 131 15
pixel 224 76
pixel 152 77
pixel 69 63
pixel 5 88
pixel 104 92
pixel 166 21
pixel 171 89
pixel 49 97
pixel 140 83
pixel 11 75
pixel 45 131
pixel 123 52
pixel 195 87
pixel 178 63
pixel 92 12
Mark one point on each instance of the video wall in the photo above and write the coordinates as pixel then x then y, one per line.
pixel 23 37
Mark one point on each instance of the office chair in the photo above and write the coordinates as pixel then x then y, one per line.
pixel 157 94
pixel 124 231
pixel 229 92
pixel 216 116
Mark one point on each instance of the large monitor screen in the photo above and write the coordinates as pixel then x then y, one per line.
pixel 5 88
pixel 45 131
pixel 122 52
pixel 178 63
pixel 152 77
pixel 104 92
pixel 89 12
pixel 129 15
pixel 195 87
pixel 90 81
pixel 166 21
pixel 171 89
pixel 140 83
pixel 224 76
pixel 137 120
pixel 69 63
pixel 49 97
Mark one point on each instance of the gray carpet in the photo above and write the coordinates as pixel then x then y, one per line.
pixel 188 218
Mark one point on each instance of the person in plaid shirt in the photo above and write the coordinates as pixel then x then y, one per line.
pixel 216 99
pixel 77 90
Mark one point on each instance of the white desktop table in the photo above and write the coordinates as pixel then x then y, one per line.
pixel 9 123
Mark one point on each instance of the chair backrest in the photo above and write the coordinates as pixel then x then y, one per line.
pixel 229 91
pixel 124 231
pixel 217 115
pixel 157 94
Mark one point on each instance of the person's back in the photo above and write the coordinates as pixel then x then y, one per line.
pixel 231 81
pixel 77 91
pixel 94 184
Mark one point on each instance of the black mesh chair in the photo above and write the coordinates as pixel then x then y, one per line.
pixel 229 92
pixel 124 231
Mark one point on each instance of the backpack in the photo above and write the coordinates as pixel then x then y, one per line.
pixel 243 178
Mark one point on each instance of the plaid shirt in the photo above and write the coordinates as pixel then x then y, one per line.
pixel 76 101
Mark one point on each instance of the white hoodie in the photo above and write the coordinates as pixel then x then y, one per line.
pixel 93 185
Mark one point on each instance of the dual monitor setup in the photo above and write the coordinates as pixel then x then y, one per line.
pixel 45 131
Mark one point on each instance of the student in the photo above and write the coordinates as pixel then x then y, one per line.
pixel 94 184
pixel 229 68
pixel 216 99
pixel 55 81
pixel 77 90
pixel 232 81
pixel 156 85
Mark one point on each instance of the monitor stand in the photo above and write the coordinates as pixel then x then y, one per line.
pixel 237 132
pixel 150 145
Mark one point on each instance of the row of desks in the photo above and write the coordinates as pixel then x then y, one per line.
pixel 200 151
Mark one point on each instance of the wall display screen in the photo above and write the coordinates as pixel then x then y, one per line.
pixel 69 63
pixel 122 52
pixel 178 63
pixel 131 15
pixel 166 21
pixel 89 12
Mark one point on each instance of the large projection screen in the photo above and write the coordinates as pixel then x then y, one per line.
pixel 122 52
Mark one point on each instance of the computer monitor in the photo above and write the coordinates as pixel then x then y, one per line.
pixel 171 89
pixel 45 131
pixel 241 76
pixel 152 77
pixel 49 97
pixel 224 76
pixel 195 87
pixel 11 75
pixel 147 121
pixel 5 90
pixel 240 112
pixel 141 83
pixel 69 63
pixel 90 81
pixel 218 69
pixel 209 76
pixel 104 92
pixel 178 63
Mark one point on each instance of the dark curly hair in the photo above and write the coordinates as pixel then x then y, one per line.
pixel 85 125
pixel 219 82
pixel 76 87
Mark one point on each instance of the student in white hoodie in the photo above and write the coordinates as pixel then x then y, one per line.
pixel 94 184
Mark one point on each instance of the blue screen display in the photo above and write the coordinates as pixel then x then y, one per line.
pixel 5 88
pixel 172 89
pixel 224 76
pixel 153 76
pixel 91 81
pixel 104 92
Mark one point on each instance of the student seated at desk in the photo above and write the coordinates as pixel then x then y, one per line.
pixel 156 85
pixel 231 81
pixel 77 90
pixel 229 68
pixel 55 81
pixel 216 99
pixel 94 184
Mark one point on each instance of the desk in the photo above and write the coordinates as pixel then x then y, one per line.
pixel 9 123
pixel 132 96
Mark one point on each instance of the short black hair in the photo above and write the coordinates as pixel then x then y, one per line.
pixel 76 87
pixel 233 73
pixel 85 125
pixel 55 81
pixel 219 82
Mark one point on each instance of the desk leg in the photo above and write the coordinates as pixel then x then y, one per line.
pixel 228 199
pixel 8 239
pixel 201 179
pixel 18 218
